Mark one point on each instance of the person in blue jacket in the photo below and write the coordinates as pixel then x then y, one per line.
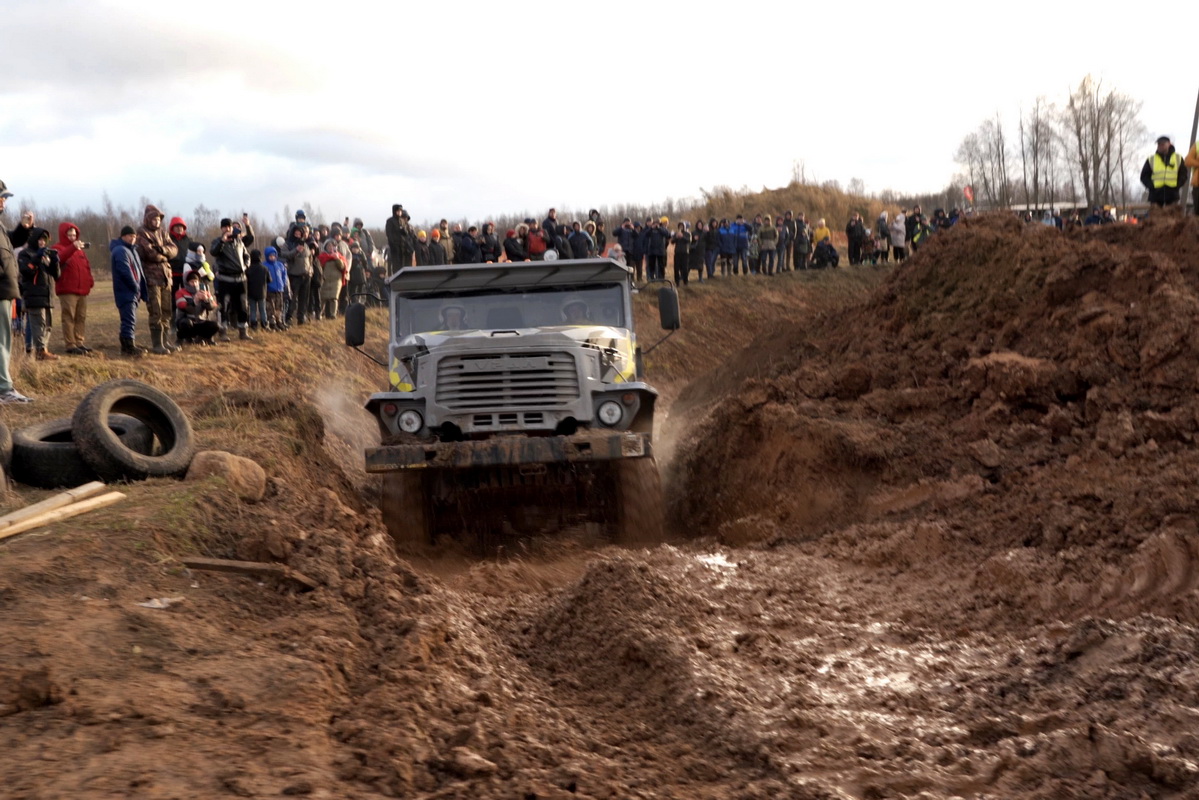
pixel 728 247
pixel 128 287
pixel 741 230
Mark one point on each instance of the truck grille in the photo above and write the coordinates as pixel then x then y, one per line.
pixel 534 380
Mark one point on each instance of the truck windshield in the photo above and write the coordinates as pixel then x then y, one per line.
pixel 512 310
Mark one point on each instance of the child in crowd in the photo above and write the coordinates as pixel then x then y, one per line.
pixel 276 288
pixel 257 277
pixel 333 271
pixel 194 307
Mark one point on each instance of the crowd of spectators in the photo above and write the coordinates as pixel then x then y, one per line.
pixel 199 293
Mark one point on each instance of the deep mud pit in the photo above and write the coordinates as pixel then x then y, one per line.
pixel 941 542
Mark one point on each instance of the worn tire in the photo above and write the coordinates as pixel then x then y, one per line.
pixel 109 456
pixel 45 455
pixel 640 519
pixel 5 446
pixel 404 504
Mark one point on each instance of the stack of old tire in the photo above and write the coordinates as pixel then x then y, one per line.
pixel 123 430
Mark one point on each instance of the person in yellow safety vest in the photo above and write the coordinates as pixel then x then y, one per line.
pixel 1192 161
pixel 1163 173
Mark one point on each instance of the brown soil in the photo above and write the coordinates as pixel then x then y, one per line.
pixel 936 539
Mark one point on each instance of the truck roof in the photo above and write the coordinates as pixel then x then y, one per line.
pixel 466 277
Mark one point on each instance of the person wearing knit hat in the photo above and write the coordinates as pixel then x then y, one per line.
pixel 399 239
pixel 421 251
pixel 436 250
pixel 514 250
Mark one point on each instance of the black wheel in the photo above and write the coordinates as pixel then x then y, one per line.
pixel 105 452
pixel 45 455
pixel 404 504
pixel 640 519
pixel 5 446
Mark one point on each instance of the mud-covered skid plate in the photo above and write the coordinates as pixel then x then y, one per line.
pixel 508 450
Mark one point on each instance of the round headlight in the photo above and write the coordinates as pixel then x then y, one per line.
pixel 610 412
pixel 411 421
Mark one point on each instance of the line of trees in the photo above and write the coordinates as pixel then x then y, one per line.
pixel 1088 148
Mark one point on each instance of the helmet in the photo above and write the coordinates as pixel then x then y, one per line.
pixel 572 302
pixel 665 220
pixel 453 305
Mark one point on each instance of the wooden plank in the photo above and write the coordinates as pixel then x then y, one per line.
pixel 51 503
pixel 59 514
pixel 263 568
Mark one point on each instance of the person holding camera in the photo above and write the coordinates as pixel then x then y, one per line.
pixel 39 268
pixel 73 286
pixel 156 249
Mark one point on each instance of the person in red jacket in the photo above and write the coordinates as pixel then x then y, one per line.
pixel 73 286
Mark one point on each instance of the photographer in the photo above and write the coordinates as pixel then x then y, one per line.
pixel 156 249
pixel 38 266
pixel 73 287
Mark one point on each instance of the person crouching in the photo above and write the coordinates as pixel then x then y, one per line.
pixel 194 308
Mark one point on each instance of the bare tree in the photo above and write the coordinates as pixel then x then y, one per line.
pixel 1101 126
pixel 984 154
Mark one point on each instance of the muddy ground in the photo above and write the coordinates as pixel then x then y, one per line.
pixel 934 537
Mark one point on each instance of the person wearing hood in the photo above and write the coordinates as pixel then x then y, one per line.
pixel 39 268
pixel 1163 174
pixel 257 277
pixel 128 287
pixel 156 249
pixel 276 288
pixel 73 286
pixel 178 234
pixel 489 244
pixel 9 290
pixel 333 273
pixel 882 228
pixel 363 236
pixel 298 254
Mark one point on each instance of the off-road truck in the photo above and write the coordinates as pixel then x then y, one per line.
pixel 516 402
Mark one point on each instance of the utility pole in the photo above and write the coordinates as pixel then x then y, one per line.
pixel 1186 187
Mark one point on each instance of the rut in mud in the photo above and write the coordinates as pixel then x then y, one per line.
pixel 934 539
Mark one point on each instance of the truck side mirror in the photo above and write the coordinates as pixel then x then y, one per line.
pixel 668 308
pixel 355 324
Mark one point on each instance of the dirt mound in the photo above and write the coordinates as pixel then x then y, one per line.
pixel 1007 365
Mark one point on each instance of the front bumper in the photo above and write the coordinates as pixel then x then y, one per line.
pixel 510 450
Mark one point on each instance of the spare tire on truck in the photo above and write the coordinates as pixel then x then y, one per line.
pixel 640 518
pixel 45 455
pixel 109 456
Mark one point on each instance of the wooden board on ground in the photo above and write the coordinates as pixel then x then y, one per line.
pixel 262 568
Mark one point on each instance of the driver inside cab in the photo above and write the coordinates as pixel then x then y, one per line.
pixel 575 312
pixel 453 317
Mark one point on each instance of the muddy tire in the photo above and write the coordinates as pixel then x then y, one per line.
pixel 640 517
pixel 45 455
pixel 109 456
pixel 404 504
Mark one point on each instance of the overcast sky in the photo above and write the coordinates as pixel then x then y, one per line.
pixel 470 109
